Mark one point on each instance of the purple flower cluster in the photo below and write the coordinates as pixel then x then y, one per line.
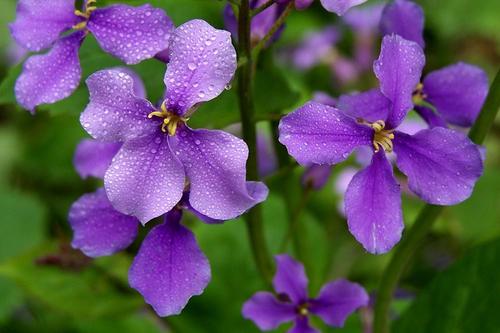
pixel 154 165
pixel 131 34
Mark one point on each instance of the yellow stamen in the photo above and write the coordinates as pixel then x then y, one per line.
pixel 382 137
pixel 86 14
pixel 418 94
pixel 170 121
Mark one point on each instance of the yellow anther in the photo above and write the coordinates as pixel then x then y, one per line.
pixel 382 137
pixel 170 120
pixel 418 94
pixel 86 14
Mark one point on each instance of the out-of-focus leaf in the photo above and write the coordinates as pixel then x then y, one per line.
pixel 21 223
pixel 87 293
pixel 463 298
pixel 11 298
pixel 273 92
pixel 129 324
pixel 7 85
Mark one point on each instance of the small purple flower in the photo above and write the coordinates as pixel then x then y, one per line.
pixel 404 18
pixel 442 165
pixel 339 7
pixel 132 34
pixel 335 302
pixel 261 23
pixel 161 156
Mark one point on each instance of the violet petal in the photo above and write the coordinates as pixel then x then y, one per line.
pixel 370 105
pixel 404 18
pixel 373 206
pixel 169 268
pixel 92 158
pixel 99 229
pixel 290 278
pixel 301 325
pixel 266 311
pixel 340 7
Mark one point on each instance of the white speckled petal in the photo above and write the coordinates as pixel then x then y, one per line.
pixel 373 206
pixel 114 112
pixel 50 77
pixel 132 34
pixel 145 179
pixel 442 165
pixel 99 229
pixel 202 63
pixel 215 166
pixel 170 267
pixel 40 22
pixel 319 134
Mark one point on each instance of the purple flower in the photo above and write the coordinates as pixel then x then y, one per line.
pixel 130 33
pixel 161 155
pixel 404 18
pixel 335 302
pixel 457 92
pixel 442 165
pixel 261 23
pixel 339 7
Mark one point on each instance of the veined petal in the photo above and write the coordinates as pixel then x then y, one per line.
pixel 337 300
pixel 267 312
pixel 319 134
pixel 202 63
pixel 132 34
pixel 215 164
pixel 50 77
pixel 458 92
pixel 114 112
pixel 92 158
pixel 442 165
pixel 39 23
pixel 373 206
pixel 404 18
pixel 290 278
pixel 301 325
pixel 370 105
pixel 398 69
pixel 145 178
pixel 340 7
pixel 170 267
pixel 99 229
pixel 139 89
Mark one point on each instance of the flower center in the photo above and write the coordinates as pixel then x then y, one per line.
pixel 170 120
pixel 418 94
pixel 89 8
pixel 382 137
pixel 302 310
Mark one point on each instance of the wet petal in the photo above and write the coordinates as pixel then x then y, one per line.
pixel 145 179
pixel 34 86
pixel 267 312
pixel 371 105
pixel 373 206
pixel 38 24
pixel 290 278
pixel 202 63
pixel 458 92
pixel 301 325
pixel 114 112
pixel 169 268
pixel 139 88
pixel 132 34
pixel 398 69
pixel 320 134
pixel 92 158
pixel 442 165
pixel 404 18
pixel 337 300
pixel 340 7
pixel 99 229
pixel 215 164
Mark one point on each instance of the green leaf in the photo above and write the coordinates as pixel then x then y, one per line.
pixel 464 298
pixel 87 293
pixel 11 298
pixel 7 85
pixel 273 93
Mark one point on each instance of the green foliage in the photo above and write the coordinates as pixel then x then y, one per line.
pixel 462 299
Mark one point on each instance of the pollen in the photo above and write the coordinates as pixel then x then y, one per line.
pixel 382 137
pixel 89 8
pixel 171 120
pixel 302 310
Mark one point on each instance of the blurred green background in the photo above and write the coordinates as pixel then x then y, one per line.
pixel 47 287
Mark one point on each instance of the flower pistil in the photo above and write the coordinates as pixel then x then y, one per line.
pixel 170 120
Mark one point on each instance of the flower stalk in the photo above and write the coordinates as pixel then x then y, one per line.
pixel 425 220
pixel 245 96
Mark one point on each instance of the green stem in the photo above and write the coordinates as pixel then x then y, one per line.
pixel 262 8
pixel 245 95
pixel 425 220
